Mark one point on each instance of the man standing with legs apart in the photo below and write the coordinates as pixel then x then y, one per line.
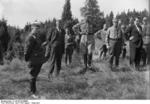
pixel 56 45
pixel 34 54
pixel 87 43
pixel 114 41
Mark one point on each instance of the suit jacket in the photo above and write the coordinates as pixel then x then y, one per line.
pixel 137 36
pixel 56 38
pixel 133 32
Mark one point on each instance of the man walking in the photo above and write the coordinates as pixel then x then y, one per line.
pixel 34 54
pixel 56 45
pixel 135 43
pixel 114 41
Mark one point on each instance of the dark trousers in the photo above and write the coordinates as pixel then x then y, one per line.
pixel 124 51
pixel 68 54
pixel 146 54
pixel 115 51
pixel 55 59
pixel 135 54
pixel 87 59
pixel 35 69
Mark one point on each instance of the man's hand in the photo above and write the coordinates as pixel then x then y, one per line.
pixel 131 38
pixel 44 44
pixel 108 46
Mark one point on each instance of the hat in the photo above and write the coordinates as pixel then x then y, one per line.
pixel 36 24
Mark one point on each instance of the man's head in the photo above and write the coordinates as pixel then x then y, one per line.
pixel 115 22
pixel 144 20
pixel 104 27
pixel 137 21
pixel 131 21
pixel 58 23
pixel 35 25
pixel 119 22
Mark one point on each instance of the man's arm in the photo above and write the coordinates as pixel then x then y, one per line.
pixel 29 47
pixel 107 37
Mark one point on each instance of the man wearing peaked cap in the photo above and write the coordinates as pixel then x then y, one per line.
pixel 114 41
pixel 34 55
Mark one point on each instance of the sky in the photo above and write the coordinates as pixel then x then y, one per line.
pixel 19 12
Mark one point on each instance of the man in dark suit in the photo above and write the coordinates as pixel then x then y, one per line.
pixel 135 42
pixel 55 51
pixel 34 55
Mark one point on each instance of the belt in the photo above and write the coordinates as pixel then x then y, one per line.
pixel 115 39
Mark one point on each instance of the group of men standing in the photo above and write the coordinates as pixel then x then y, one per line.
pixel 61 41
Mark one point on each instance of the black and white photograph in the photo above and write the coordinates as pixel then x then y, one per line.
pixel 74 50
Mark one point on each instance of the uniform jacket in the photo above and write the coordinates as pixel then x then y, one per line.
pixel 34 52
pixel 114 33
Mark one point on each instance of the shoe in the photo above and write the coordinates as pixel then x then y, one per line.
pixel 34 96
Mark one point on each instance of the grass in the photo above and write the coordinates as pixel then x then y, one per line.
pixel 104 84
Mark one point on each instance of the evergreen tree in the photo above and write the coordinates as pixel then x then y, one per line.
pixel 91 10
pixel 109 19
pixel 67 14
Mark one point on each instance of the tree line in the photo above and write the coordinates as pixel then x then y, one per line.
pixel 91 9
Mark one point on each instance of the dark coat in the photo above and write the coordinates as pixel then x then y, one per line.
pixel 56 39
pixel 137 36
pixel 34 52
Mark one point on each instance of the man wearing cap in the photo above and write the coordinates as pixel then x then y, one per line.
pixel 114 41
pixel 34 55
pixel 56 47
pixel 146 40
pixel 135 43
pixel 87 43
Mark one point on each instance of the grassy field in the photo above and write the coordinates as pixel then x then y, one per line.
pixel 125 83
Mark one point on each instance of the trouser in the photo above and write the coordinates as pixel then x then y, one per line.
pixel 87 46
pixel 87 60
pixel 124 51
pixel 146 57
pixel 135 54
pixel 68 54
pixel 77 46
pixel 55 59
pixel 115 51
pixel 35 69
